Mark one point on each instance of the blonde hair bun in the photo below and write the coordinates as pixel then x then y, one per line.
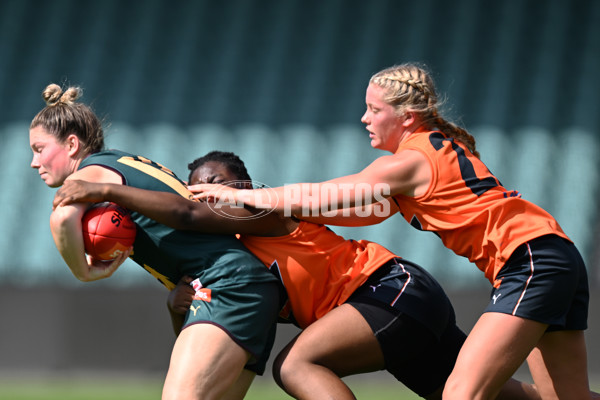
pixel 53 94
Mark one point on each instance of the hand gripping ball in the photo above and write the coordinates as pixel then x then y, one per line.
pixel 108 230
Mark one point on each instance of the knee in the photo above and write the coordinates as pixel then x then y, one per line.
pixel 276 369
pixel 281 369
pixel 286 369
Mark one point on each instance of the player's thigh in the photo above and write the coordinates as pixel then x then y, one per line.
pixel 205 363
pixel 341 340
pixel 559 365
pixel 240 387
pixel 495 348
pixel 247 312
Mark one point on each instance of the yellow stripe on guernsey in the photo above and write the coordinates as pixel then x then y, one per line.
pixel 163 279
pixel 157 171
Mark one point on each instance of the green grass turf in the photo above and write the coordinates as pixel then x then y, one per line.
pixel 136 389
pixel 106 388
pixel 60 389
pixel 363 389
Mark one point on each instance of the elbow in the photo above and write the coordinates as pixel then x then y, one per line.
pixel 83 278
pixel 188 219
pixel 81 274
pixel 181 220
pixel 86 274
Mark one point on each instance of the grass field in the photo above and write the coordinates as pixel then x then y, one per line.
pixel 148 389
pixel 143 389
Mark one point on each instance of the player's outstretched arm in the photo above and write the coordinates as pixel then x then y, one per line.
pixel 173 210
pixel 370 214
pixel 407 174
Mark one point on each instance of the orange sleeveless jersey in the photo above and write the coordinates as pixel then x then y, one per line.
pixel 319 269
pixel 468 208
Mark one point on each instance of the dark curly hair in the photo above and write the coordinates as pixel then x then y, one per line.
pixel 233 162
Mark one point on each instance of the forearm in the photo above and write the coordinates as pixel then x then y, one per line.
pixel 312 199
pixel 371 214
pixel 179 213
pixel 65 225
pixel 166 208
pixel 66 233
pixel 173 210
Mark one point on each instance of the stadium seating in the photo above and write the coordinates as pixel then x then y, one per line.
pixel 282 84
pixel 559 172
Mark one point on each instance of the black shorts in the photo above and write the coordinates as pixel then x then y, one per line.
pixel 414 323
pixel 544 280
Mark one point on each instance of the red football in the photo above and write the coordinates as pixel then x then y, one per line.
pixel 108 230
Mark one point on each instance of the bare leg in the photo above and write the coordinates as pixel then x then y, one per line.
pixel 339 344
pixel 559 366
pixel 239 389
pixel 205 363
pixel 497 345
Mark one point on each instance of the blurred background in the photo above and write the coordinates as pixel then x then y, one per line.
pixel 281 83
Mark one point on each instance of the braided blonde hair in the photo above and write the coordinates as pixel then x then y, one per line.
pixel 63 116
pixel 409 87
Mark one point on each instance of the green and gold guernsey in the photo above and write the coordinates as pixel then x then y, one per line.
pixel 168 254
